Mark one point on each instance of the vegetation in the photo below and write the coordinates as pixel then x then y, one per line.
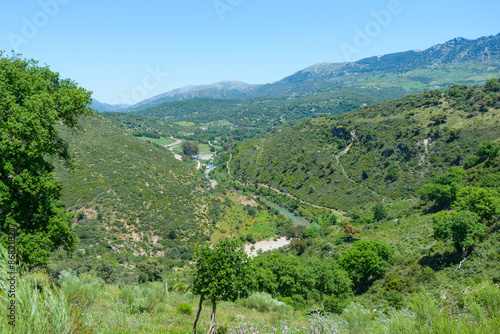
pixel 222 274
pixel 389 150
pixel 394 211
pixel 33 101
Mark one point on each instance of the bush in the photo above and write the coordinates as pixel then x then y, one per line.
pixel 379 212
pixel 334 304
pixel 264 302
pixel 395 299
pixel 184 309
pixel 47 311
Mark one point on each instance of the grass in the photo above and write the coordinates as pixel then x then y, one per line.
pixel 160 141
pixel 45 308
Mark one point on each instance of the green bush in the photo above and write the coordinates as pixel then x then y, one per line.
pixel 184 309
pixel 264 302
pixel 334 304
pixel 46 311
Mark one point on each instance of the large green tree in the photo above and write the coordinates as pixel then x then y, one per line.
pixel 367 260
pixel 223 272
pixel 464 228
pixel 33 101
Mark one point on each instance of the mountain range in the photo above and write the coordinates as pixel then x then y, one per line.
pixel 458 61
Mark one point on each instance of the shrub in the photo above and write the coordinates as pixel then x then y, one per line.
pixel 395 299
pixel 264 302
pixel 184 309
pixel 334 304
pixel 44 312
pixel 379 212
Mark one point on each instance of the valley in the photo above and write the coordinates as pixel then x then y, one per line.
pixel 358 197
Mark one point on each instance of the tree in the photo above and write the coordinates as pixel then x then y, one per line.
pixel 488 151
pixel 484 202
pixel 152 268
pixel 463 228
pixel 223 272
pixel 392 173
pixel 33 101
pixel 190 148
pixel 299 245
pixel 492 85
pixel 368 259
pixel 379 212
pixel 350 231
pixel 443 189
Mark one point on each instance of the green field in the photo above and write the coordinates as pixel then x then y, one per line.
pixel 160 141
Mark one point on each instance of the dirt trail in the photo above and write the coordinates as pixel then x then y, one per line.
pixel 177 142
pixel 171 146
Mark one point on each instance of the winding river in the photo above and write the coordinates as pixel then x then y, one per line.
pixel 295 219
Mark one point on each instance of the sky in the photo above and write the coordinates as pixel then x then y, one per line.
pixel 125 51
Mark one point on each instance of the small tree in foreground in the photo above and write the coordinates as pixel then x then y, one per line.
pixel 223 272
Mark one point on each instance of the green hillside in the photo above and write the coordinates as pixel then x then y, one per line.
pixel 384 151
pixel 130 193
pixel 265 113
pixel 135 198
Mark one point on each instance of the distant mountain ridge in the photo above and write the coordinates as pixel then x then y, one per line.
pixel 107 107
pixel 326 76
pixel 454 52
pixel 229 89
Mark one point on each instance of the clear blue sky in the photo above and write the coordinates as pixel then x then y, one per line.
pixel 110 47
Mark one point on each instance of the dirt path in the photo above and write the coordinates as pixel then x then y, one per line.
pixel 171 146
pixel 177 142
pixel 265 245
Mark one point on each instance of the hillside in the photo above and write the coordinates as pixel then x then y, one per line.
pixel 129 193
pixel 385 151
pixel 264 113
pixel 132 198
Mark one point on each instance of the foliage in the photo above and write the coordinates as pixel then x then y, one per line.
pixel 184 309
pixel 152 268
pixel 350 230
pixel 35 99
pixel 368 259
pixel 379 212
pixel 37 310
pixel 485 202
pixel 443 189
pixel 301 280
pixel 464 228
pixel 264 302
pixel 222 272
pixel 190 148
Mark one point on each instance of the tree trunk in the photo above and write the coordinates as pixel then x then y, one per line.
pixel 198 314
pixel 213 323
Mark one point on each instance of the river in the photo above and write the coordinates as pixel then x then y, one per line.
pixel 295 219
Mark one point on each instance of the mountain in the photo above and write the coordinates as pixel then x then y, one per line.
pixel 385 151
pixel 457 61
pixel 221 90
pixel 99 106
